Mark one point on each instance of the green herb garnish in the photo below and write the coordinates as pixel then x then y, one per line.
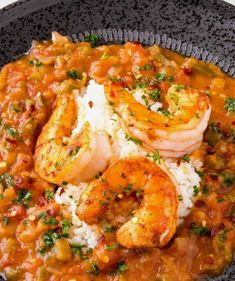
pixel 49 195
pixel 23 197
pixel 128 188
pixel 93 39
pixel 109 228
pixel 94 269
pixel 74 74
pixel 230 105
pixel 51 221
pixel 195 190
pixel 155 95
pixel 205 190
pixel 6 180
pixel 199 230
pixel 186 158
pixel 111 247
pixel 133 139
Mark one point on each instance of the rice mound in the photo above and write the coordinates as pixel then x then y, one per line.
pixel 102 117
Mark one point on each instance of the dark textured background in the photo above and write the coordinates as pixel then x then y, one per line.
pixel 201 28
pixel 209 25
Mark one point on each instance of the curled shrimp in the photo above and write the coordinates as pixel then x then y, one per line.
pixel 61 156
pixel 154 222
pixel 177 132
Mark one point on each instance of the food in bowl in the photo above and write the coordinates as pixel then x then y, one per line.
pixel 116 163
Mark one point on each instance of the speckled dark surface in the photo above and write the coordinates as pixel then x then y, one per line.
pixel 201 28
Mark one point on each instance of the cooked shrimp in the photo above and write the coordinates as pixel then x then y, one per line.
pixel 154 222
pixel 60 156
pixel 176 133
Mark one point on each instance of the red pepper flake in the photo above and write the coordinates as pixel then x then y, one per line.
pixel 42 201
pixel 188 71
pixel 200 203
pixel 32 108
pixel 112 94
pixel 88 201
pixel 90 103
pixel 51 212
pixel 210 260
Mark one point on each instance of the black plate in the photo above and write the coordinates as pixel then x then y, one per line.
pixel 204 29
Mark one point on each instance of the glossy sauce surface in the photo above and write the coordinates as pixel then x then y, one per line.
pixel 202 245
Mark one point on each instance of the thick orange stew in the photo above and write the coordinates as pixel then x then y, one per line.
pixel 137 240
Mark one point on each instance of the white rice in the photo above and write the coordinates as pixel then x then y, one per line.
pixel 186 178
pixel 80 232
pixel 102 117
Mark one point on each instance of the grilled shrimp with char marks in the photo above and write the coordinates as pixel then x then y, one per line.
pixel 154 222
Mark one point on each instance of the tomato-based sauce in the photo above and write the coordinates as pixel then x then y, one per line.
pixel 34 246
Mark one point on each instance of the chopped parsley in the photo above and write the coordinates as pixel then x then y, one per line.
pixel 73 152
pixel 51 221
pixel 146 67
pixel 128 188
pixel 102 202
pixel 160 76
pixel 119 268
pixel 179 87
pixel 200 173
pixel 215 129
pixel 42 215
pixel 155 95
pixel 133 139
pixel 195 190
pixel 228 179
pixel 49 239
pixel 65 224
pixel 186 158
pixel 205 190
pixel 144 98
pixel 6 180
pixel 170 78
pixel 220 200
pixel 5 220
pixel 49 195
pixel 222 235
pixel 14 108
pixel 74 74
pixel 164 112
pixel 94 269
pixel 93 39
pixel 114 79
pixel 140 84
pixel 180 197
pixel 156 156
pixel 139 193
pixel 23 197
pixel 111 247
pixel 230 105
pixel 109 228
pixel 199 230
pixel 11 131
pixel 77 249
pixel 104 56
pixel 35 62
